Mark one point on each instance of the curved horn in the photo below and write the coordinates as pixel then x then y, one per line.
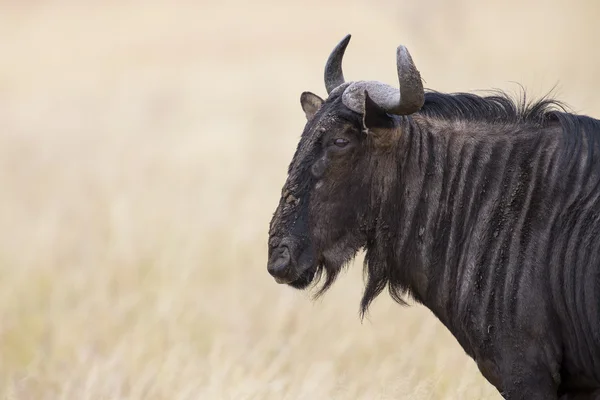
pixel 411 96
pixel 334 75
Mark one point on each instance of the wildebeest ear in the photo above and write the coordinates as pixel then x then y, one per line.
pixel 310 104
pixel 375 119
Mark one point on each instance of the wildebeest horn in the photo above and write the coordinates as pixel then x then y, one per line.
pixel 334 75
pixel 411 96
pixel 407 100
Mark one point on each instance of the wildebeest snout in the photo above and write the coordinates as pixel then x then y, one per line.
pixel 280 265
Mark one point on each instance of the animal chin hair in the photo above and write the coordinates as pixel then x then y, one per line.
pixel 329 269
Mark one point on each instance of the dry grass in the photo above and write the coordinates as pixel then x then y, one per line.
pixel 142 150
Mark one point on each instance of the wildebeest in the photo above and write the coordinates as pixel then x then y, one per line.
pixel 484 209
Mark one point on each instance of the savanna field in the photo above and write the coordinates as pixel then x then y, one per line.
pixel 143 146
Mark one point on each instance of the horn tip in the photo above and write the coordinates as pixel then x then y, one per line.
pixel 402 52
pixel 344 42
pixel 333 67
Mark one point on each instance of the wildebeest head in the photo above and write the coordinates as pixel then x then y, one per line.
pixel 323 215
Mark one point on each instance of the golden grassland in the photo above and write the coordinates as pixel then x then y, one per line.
pixel 142 151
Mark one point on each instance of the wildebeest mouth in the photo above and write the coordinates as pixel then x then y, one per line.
pixel 304 279
pixel 298 271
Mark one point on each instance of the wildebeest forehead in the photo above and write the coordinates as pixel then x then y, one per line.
pixel 332 117
pixel 309 145
pixel 299 176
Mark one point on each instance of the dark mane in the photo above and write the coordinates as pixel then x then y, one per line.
pixel 499 108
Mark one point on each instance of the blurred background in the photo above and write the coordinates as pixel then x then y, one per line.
pixel 143 146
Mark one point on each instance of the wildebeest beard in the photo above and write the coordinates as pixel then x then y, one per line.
pixel 340 235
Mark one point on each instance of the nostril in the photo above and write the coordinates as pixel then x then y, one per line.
pixel 287 243
pixel 279 262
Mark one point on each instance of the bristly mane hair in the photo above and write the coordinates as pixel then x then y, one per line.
pixel 499 107
pixel 579 132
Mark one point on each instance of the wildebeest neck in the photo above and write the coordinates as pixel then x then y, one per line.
pixel 442 204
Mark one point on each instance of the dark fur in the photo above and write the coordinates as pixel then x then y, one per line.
pixel 485 210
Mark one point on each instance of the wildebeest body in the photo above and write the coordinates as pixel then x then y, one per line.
pixel 484 210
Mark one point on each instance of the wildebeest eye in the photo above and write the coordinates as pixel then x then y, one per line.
pixel 340 142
